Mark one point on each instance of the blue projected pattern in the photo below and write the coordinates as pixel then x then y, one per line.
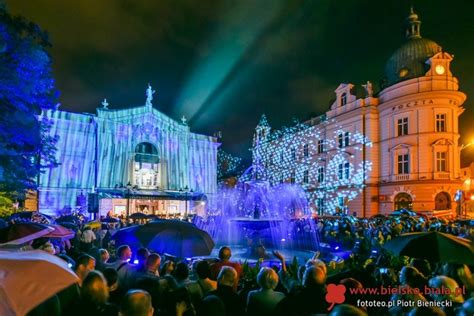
pixel 321 156
pixel 186 159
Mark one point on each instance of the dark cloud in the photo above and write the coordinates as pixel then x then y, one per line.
pixel 113 48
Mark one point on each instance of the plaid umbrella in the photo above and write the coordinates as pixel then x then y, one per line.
pixel 432 246
pixel 27 216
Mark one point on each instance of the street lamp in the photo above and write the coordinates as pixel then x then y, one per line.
pixel 129 189
pixel 464 146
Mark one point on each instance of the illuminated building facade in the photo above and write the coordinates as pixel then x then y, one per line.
pixel 136 159
pixel 374 153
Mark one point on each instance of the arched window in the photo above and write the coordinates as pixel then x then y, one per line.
pixel 403 201
pixel 146 152
pixel 442 201
pixel 146 166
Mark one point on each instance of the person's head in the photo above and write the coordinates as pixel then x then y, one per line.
pixel 468 307
pixel 136 303
pixel 94 288
pixel 317 263
pixel 225 253
pixel 227 276
pixel 444 282
pixel 426 311
pixel 267 278
pixel 411 276
pixel 153 262
pixel 423 266
pixel 104 255
pixel 142 255
pixel 314 276
pixel 124 252
pixel 44 244
pixel 351 283
pixel 111 276
pixel 202 269
pixel 347 310
pixel 181 272
pixel 212 305
pixel 84 265
pixel 167 268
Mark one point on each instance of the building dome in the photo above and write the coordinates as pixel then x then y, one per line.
pixel 409 61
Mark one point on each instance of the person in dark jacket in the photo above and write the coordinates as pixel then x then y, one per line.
pixel 225 291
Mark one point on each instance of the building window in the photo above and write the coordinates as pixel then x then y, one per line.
pixel 402 126
pixel 305 150
pixel 346 139
pixel 282 156
pixel 320 146
pixel 293 153
pixel 305 177
pixel 441 122
pixel 320 174
pixel 340 202
pixel 340 171
pixel 320 205
pixel 403 164
pixel 343 139
pixel 292 177
pixel 346 170
pixel 343 99
pixel 441 165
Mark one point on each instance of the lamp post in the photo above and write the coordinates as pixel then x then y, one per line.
pixel 464 146
pixel 129 189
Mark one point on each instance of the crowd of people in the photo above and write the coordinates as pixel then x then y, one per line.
pixel 118 280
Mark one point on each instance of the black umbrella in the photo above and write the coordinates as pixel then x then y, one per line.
pixel 70 225
pixel 69 219
pixel 110 220
pixel 138 215
pixel 16 234
pixel 175 237
pixel 432 246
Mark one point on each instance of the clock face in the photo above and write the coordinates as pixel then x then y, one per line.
pixel 439 69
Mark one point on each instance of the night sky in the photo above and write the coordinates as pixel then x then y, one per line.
pixel 224 63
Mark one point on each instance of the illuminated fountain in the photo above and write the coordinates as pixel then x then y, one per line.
pixel 255 213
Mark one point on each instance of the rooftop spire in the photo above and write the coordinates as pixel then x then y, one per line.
pixel 413 25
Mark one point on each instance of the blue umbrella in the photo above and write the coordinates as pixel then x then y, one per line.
pixel 175 237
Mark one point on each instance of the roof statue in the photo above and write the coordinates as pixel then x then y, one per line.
pixel 263 121
pixel 149 95
pixel 105 104
pixel 184 120
pixel 368 88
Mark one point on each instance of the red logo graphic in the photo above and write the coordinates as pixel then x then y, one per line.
pixel 335 294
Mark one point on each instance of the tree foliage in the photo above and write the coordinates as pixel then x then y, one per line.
pixel 27 89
